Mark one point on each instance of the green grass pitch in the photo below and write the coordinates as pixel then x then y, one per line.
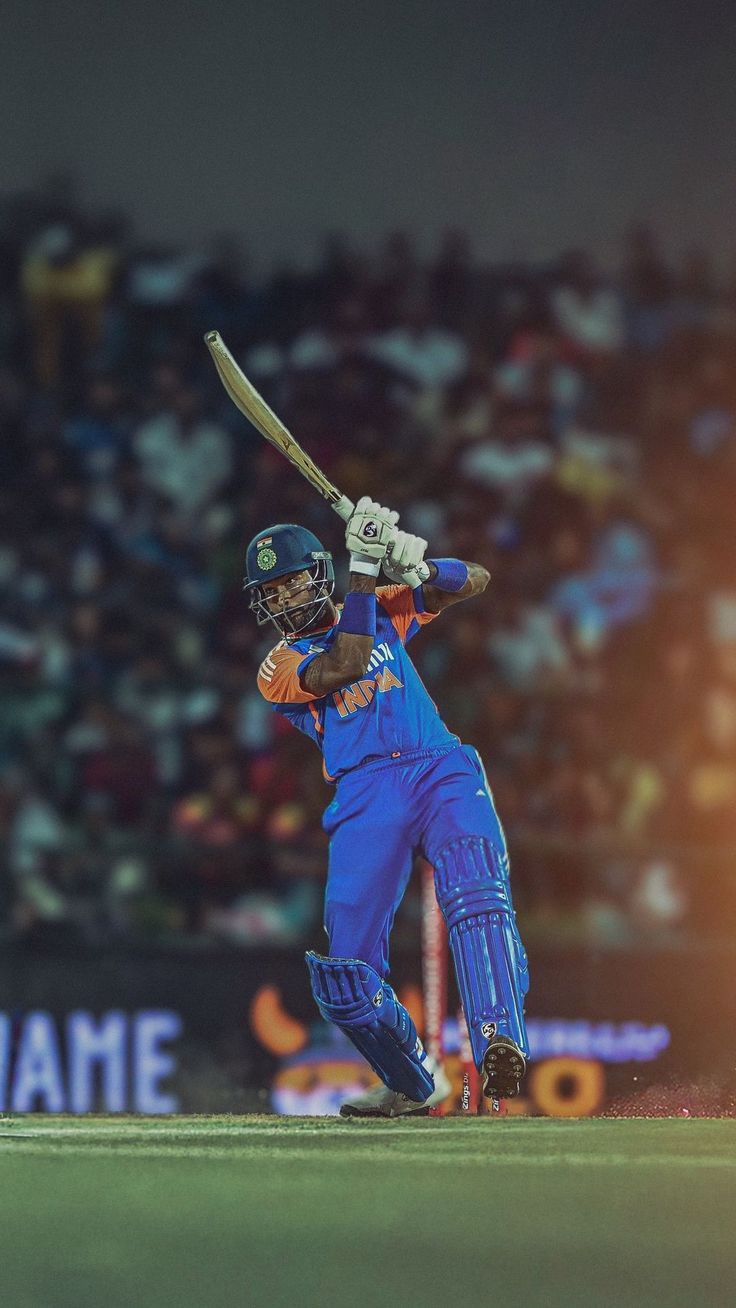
pixel 216 1212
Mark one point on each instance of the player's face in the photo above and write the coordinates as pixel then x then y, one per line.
pixel 284 592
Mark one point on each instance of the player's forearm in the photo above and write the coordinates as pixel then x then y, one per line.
pixel 478 579
pixel 352 647
pixel 348 657
pixel 436 598
pixel 362 584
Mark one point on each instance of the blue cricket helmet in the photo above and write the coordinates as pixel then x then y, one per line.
pixel 276 552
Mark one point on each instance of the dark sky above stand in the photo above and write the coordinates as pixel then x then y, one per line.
pixel 537 126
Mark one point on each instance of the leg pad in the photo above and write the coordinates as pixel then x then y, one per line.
pixel 471 878
pixel 351 994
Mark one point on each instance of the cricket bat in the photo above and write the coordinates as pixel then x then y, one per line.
pixel 246 398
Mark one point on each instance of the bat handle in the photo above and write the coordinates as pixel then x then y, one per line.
pixel 343 507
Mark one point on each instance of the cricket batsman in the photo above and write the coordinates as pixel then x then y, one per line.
pixel 404 784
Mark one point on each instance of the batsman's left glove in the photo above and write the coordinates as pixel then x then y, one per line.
pixel 368 535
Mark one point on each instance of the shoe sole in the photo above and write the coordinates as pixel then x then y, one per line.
pixel 348 1111
pixel 502 1070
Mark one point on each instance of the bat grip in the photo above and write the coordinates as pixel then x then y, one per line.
pixel 343 507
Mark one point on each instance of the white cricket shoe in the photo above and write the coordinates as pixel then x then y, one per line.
pixel 379 1101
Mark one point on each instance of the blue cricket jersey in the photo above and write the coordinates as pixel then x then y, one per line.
pixel 384 715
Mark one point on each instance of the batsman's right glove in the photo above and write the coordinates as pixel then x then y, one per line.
pixel 368 534
pixel 404 560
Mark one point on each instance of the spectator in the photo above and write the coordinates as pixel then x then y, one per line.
pixel 618 587
pixel 213 826
pixel 35 842
pixel 66 282
pixel 423 354
pixel 184 457
pixel 515 457
pixel 586 312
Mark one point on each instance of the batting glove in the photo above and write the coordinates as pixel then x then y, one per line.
pixel 404 560
pixel 368 535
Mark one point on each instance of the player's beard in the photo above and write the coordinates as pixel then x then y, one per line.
pixel 321 620
pixel 306 619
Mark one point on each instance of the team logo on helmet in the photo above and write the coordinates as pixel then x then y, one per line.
pixel 266 559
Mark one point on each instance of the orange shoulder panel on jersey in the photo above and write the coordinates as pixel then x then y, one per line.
pixel 277 677
pixel 398 601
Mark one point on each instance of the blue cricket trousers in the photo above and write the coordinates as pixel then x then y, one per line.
pixel 383 814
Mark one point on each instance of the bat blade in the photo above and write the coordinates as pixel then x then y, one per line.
pixel 246 398
pixel 244 395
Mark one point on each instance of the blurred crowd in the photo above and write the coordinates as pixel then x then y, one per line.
pixel 573 432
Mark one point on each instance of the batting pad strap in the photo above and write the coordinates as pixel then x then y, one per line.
pixel 471 877
pixel 452 574
pixel 351 994
pixel 358 616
